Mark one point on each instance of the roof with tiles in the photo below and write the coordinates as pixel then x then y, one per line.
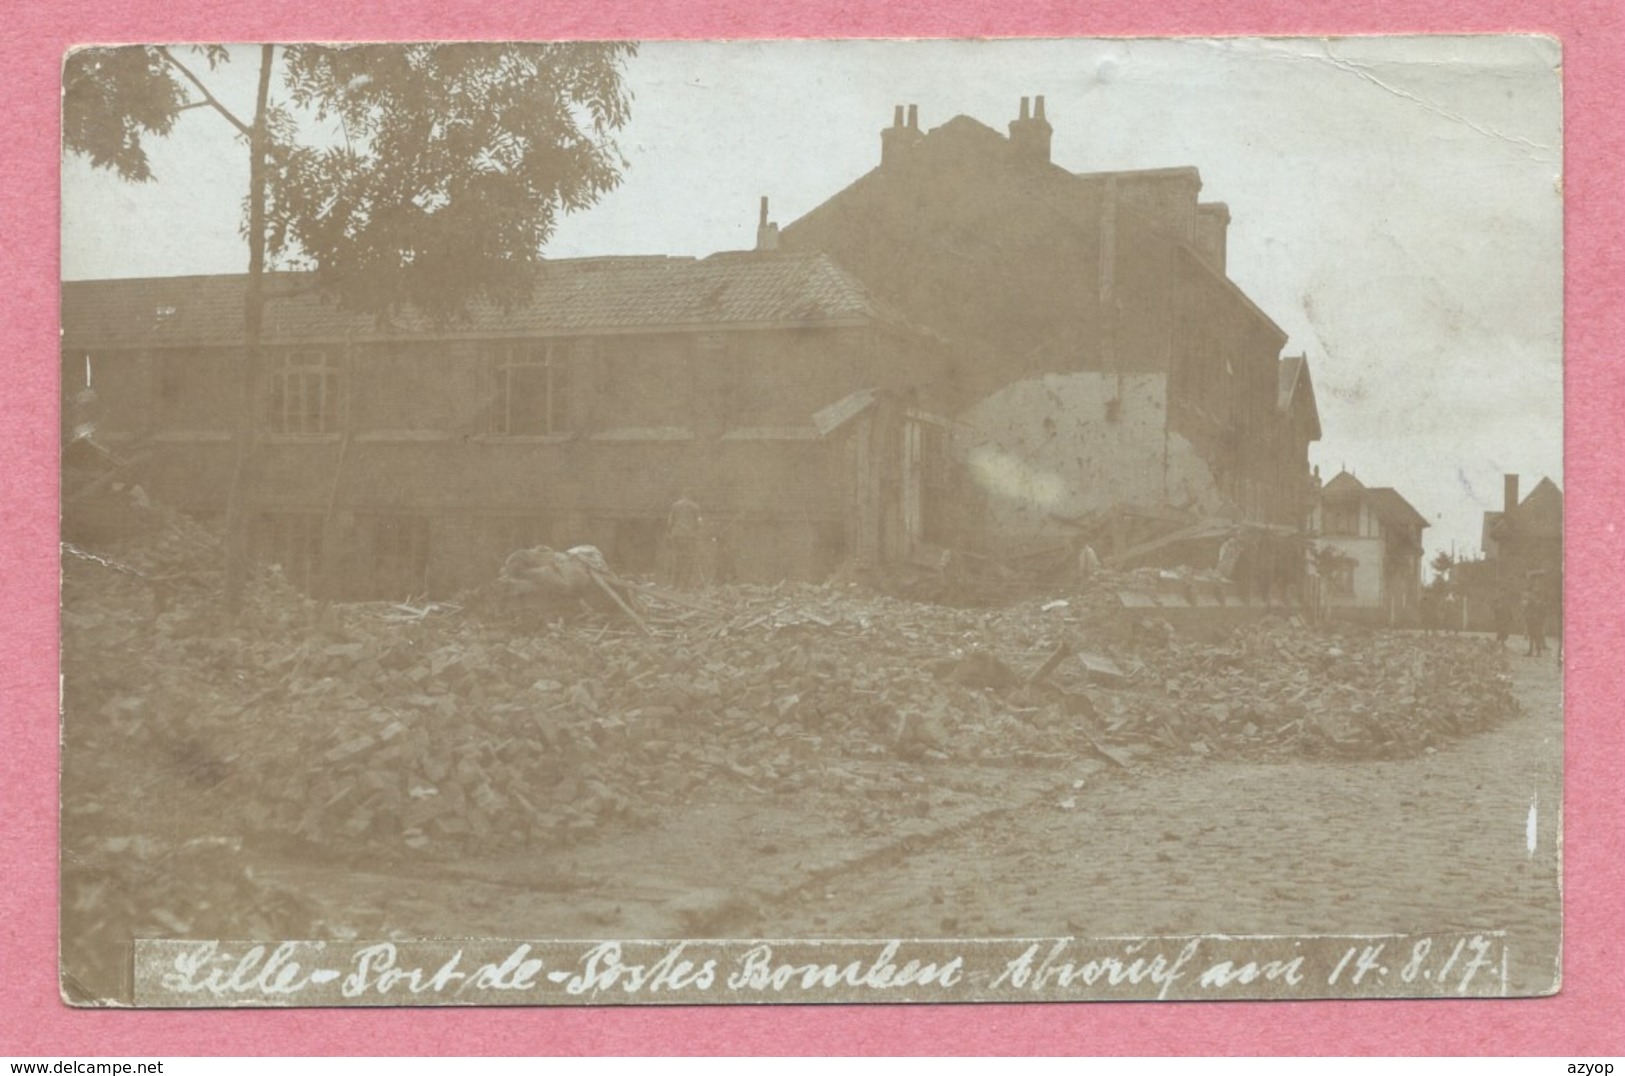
pixel 1538 515
pixel 587 295
pixel 1294 389
pixel 1384 501
pixel 1291 367
pixel 1394 509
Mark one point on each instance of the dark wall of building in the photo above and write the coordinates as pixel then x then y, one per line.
pixel 1029 269
pixel 961 241
pixel 416 466
pixel 1223 394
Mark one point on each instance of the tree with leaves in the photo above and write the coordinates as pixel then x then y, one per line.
pixel 1443 566
pixel 424 176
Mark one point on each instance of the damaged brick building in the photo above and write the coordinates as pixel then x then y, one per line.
pixel 968 346
pixel 1113 367
pixel 409 459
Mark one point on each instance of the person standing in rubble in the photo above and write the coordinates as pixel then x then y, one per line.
pixel 685 528
pixel 1088 564
pixel 1451 613
pixel 1502 608
pixel 1534 623
pixel 1430 612
pixel 1556 609
pixel 1230 556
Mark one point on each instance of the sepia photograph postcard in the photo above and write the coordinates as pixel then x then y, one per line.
pixel 611 523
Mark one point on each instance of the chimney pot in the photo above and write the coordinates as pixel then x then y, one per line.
pixel 1038 107
pixel 900 137
pixel 767 233
pixel 1030 133
pixel 1511 490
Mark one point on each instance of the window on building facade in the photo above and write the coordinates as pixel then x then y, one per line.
pixel 1340 519
pixel 1340 581
pixel 293 542
pixel 936 475
pixel 304 392
pixel 532 379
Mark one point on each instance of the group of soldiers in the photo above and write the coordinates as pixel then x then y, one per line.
pixel 1534 612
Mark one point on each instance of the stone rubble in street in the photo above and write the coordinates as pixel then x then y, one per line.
pixel 432 732
pixel 440 732
pixel 115 889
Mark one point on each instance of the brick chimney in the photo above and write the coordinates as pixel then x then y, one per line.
pixel 1212 232
pixel 767 232
pixel 1030 132
pixel 1510 493
pixel 896 140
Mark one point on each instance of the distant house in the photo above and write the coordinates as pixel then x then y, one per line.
pixel 1526 536
pixel 1108 359
pixel 797 409
pixel 1371 543
pixel 1522 547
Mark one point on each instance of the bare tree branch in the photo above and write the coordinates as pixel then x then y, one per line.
pixel 208 98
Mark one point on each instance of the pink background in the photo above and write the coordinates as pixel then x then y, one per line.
pixel 1584 1020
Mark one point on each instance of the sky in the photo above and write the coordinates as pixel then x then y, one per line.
pixel 1396 204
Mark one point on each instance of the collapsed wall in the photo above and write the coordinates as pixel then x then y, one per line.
pixel 1060 447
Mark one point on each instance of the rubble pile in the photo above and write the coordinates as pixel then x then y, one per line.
pixel 1349 692
pixel 436 731
pixel 448 736
pixel 971 580
pixel 115 889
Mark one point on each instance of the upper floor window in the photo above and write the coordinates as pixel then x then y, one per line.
pixel 532 387
pixel 1340 519
pixel 304 387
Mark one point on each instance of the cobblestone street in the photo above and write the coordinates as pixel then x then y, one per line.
pixel 1438 842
